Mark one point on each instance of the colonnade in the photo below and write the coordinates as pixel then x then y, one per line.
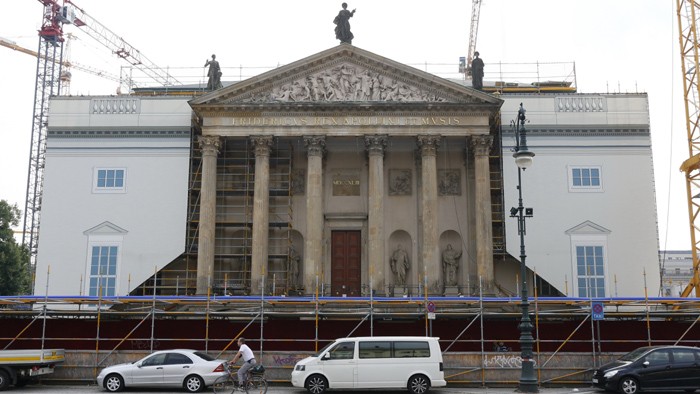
pixel 428 146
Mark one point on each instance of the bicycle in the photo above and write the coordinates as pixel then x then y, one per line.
pixel 254 382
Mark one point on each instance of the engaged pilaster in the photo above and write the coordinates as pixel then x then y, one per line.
pixel 376 144
pixel 428 145
pixel 481 145
pixel 313 253
pixel 207 212
pixel 261 211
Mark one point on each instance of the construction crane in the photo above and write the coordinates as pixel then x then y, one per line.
pixel 48 83
pixel 67 64
pixel 473 31
pixel 117 45
pixel 688 13
pixel 55 14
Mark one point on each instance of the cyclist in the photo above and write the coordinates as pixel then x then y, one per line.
pixel 246 354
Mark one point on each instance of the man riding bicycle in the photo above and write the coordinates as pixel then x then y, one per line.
pixel 246 354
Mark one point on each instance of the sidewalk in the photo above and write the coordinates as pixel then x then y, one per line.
pixel 511 390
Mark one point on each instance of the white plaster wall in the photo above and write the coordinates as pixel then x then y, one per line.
pixel 626 206
pixel 152 211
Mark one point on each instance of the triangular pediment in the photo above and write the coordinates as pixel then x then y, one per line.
pixel 345 74
pixel 588 227
pixel 105 228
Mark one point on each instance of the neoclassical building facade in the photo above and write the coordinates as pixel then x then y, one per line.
pixel 346 174
pixel 353 173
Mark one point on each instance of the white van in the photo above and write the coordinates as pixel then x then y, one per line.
pixel 413 363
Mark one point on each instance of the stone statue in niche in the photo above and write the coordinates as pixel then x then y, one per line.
pixel 450 265
pixel 400 182
pixel 449 183
pixel 400 264
pixel 293 261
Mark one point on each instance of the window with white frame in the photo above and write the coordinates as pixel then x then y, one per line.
pixel 590 270
pixel 585 178
pixel 103 270
pixel 109 180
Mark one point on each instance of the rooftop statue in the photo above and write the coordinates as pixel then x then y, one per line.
pixel 477 72
pixel 342 25
pixel 214 74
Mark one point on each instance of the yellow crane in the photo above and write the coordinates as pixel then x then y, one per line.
pixel 66 63
pixel 688 12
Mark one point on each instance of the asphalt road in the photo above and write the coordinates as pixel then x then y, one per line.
pixel 291 390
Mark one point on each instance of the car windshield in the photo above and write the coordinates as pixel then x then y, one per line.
pixel 634 354
pixel 204 356
pixel 324 349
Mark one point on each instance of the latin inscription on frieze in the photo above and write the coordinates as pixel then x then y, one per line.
pixel 331 121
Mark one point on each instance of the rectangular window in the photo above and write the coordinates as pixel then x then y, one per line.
pixel 590 269
pixel 103 270
pixel 109 180
pixel 375 349
pixel 411 349
pixel 585 179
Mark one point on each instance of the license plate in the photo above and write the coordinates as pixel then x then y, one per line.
pixel 595 380
pixel 41 371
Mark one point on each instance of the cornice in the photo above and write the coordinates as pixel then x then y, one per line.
pixel 585 131
pixel 118 134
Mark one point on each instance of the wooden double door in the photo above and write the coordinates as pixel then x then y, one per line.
pixel 346 258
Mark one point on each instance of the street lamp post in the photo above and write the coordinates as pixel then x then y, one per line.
pixel 523 159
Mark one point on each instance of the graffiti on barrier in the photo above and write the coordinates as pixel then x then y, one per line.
pixel 289 360
pixel 504 361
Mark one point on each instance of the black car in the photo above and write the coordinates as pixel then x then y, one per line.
pixel 652 368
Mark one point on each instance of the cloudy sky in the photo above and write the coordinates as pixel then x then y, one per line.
pixel 616 46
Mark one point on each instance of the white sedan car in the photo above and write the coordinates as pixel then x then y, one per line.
pixel 188 369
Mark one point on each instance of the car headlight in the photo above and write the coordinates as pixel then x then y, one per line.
pixel 610 374
pixel 300 368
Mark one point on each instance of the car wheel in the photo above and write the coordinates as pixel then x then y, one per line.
pixel 418 384
pixel 316 384
pixel 629 385
pixel 4 380
pixel 194 384
pixel 114 383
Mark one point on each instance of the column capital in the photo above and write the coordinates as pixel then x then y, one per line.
pixel 209 143
pixel 376 144
pixel 261 144
pixel 428 144
pixel 481 144
pixel 315 145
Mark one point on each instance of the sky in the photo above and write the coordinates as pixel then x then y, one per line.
pixel 615 45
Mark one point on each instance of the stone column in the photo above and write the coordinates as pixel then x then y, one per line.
pixel 207 212
pixel 481 145
pixel 261 211
pixel 313 253
pixel 432 266
pixel 375 147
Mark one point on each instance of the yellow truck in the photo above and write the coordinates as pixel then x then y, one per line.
pixel 18 367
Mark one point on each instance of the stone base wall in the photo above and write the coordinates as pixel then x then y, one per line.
pixel 468 369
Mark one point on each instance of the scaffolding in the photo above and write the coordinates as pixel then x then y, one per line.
pixel 478 335
pixel 234 223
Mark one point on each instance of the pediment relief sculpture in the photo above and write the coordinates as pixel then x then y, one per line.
pixel 346 82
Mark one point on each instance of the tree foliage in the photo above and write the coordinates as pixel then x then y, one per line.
pixel 15 277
